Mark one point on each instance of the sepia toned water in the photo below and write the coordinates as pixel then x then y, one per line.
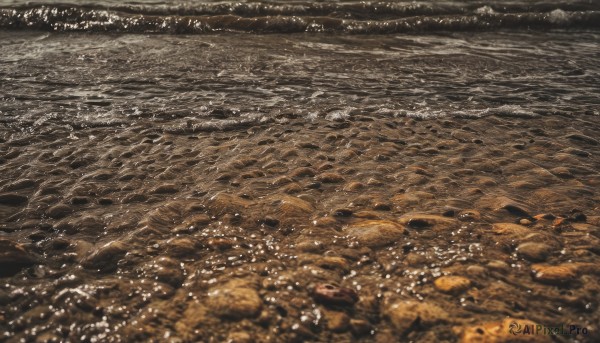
pixel 299 171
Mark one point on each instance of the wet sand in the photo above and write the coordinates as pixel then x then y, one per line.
pixel 368 228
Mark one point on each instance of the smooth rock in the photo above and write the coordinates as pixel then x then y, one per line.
pixel 227 203
pixel 220 243
pixel 12 199
pixel 59 211
pixel 335 295
pixel 510 229
pixel 333 263
pixel 106 257
pixel 165 189
pixel 330 178
pixel 452 284
pixel 476 270
pixel 535 252
pixel 239 337
pixel 525 222
pixel 428 221
pixel 360 327
pixel 411 199
pixel 195 316
pixel 14 257
pixel 367 215
pixel 469 216
pixel 580 138
pixel 309 246
pixel 169 271
pixel 376 233
pixel 196 221
pixel 234 302
pixel 337 321
pixel 354 186
pixel 181 247
pixel 281 181
pixel 404 314
pixel 291 206
pixel 20 184
pixel 303 172
pixel 501 203
pixel 499 266
pixel 560 274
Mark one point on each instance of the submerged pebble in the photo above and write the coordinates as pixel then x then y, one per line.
pixel 14 257
pixel 403 315
pixel 234 302
pixel 452 284
pixel 376 233
pixel 334 295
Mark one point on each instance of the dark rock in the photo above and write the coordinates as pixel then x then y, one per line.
pixel 11 199
pixel 105 201
pixel 13 258
pixel 342 212
pixel 165 189
pixel 80 200
pixel 20 184
pixel 59 211
pixel 334 295
pixel 582 139
pixel 106 257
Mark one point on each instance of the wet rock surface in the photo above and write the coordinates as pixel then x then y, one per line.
pixel 376 233
pixel 215 236
pixel 14 257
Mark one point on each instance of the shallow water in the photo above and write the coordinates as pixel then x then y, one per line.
pixel 306 186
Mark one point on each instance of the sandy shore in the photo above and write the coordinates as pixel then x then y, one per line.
pixel 369 229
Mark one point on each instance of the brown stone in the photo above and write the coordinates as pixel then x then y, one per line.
pixel 291 206
pixel 503 204
pixel 337 321
pixel 360 327
pixel 335 295
pixel 234 302
pixel 59 211
pixel 469 216
pixel 534 251
pixel 181 247
pixel 411 199
pixel 227 203
pixel 239 337
pixel 106 257
pixel 195 316
pixel 428 221
pixel 165 189
pixel 404 314
pixel 452 284
pixel 560 274
pixel 303 172
pixel 334 263
pixel 510 229
pixel 375 233
pixel 330 178
pixel 220 243
pixel 354 186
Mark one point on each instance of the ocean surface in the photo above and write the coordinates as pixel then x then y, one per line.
pixel 290 171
